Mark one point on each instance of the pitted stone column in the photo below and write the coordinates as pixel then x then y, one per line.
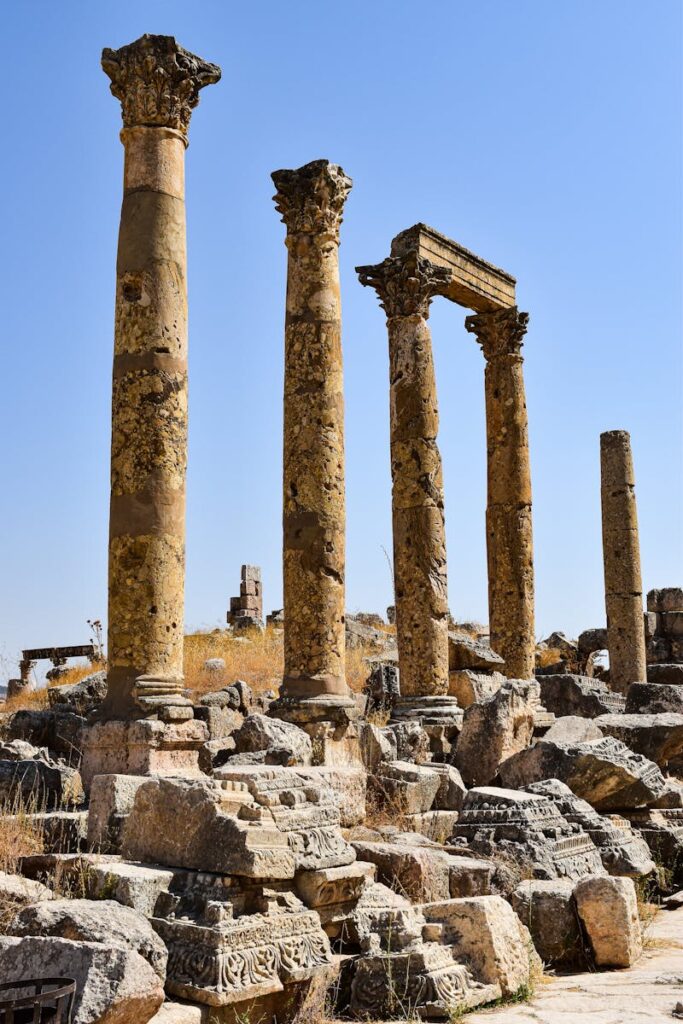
pixel 509 539
pixel 311 201
pixel 405 286
pixel 158 83
pixel 621 555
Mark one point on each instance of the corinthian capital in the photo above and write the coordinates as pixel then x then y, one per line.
pixel 406 284
pixel 311 199
pixel 500 332
pixel 157 81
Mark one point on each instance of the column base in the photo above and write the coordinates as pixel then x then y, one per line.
pixel 330 721
pixel 142 747
pixel 431 710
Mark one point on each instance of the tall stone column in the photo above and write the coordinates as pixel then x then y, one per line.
pixel 405 286
pixel 158 84
pixel 311 201
pixel 621 556
pixel 509 538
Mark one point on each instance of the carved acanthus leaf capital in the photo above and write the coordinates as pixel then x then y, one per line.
pixel 157 81
pixel 500 332
pixel 311 198
pixel 406 284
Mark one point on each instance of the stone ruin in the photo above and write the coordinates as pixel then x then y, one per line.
pixel 252 857
pixel 246 610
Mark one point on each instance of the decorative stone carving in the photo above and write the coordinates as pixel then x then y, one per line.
pixel 526 830
pixel 508 511
pixel 405 285
pixel 157 81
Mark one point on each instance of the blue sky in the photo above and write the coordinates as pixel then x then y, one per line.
pixel 544 136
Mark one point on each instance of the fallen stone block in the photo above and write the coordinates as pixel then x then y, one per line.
pixel 654 699
pixel 113 985
pixel 494 730
pixel 548 910
pixel 592 640
pixel 471 687
pixel 82 697
pixel 486 935
pixel 132 885
pixel 347 786
pixel 451 791
pixel 657 737
pixel 39 784
pixel 412 741
pixel 59 731
pixel 604 772
pixel 376 745
pixel 61 831
pixel 668 674
pixel 21 750
pixel 17 891
pixel 334 892
pixel 572 729
pixel 420 873
pixel 382 920
pixel 94 921
pixel 665 599
pixel 111 801
pixel 406 787
pixel 179 1013
pixel 608 909
pixel 465 652
pixel 566 694
pixel 283 742
pixel 622 850
pixel 220 722
pixel 435 825
pixel 469 876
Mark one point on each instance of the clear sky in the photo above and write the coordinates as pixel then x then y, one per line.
pixel 545 136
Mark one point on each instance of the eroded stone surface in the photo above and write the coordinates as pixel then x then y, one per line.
pixel 608 909
pixel 495 729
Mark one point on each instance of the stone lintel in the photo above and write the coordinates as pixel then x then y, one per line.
pixel 475 283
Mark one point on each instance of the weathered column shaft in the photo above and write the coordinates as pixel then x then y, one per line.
pixel 406 286
pixel 311 201
pixel 509 539
pixel 158 84
pixel 621 556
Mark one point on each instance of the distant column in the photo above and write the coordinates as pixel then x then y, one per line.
pixel 311 201
pixel 405 286
pixel 509 538
pixel 158 84
pixel 621 556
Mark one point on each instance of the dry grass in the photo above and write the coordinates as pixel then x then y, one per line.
pixel 255 657
pixel 19 837
pixel 36 700
pixel 550 656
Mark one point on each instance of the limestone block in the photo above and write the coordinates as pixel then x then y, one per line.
pixel 83 697
pixel 347 786
pixel 465 652
pixel 486 935
pixel 219 721
pixel 408 788
pixel 132 885
pixel 417 872
pixel 495 729
pixel 654 698
pixel 60 731
pixel 573 729
pixel 178 1013
pixel 548 910
pixel 215 754
pixel 376 745
pixel 61 831
pixel 426 979
pixel 412 741
pixel 434 825
pixel 383 919
pixel 608 909
pixel 566 694
pixel 670 674
pixel 471 687
pixel 604 772
pixel 21 750
pixel 111 801
pixel 17 891
pixel 452 789
pixel 469 876
pixel 658 737
pixel 592 640
pixel 667 599
pixel 113 985
pixel 102 921
pixel 142 747
pixel 39 784
pixel 285 743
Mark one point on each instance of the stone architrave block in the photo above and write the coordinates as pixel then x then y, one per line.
pixel 654 698
pixel 114 985
pixel 548 910
pixel 566 694
pixel 604 772
pixel 495 729
pixel 102 921
pixel 408 788
pixel 608 909
pixel 485 934
pixel 658 737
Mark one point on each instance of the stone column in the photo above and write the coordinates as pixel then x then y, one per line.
pixel 621 556
pixel 158 84
pixel 405 286
pixel 311 201
pixel 509 539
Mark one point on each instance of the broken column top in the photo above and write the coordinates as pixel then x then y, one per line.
pixel 157 81
pixel 474 282
pixel 311 198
